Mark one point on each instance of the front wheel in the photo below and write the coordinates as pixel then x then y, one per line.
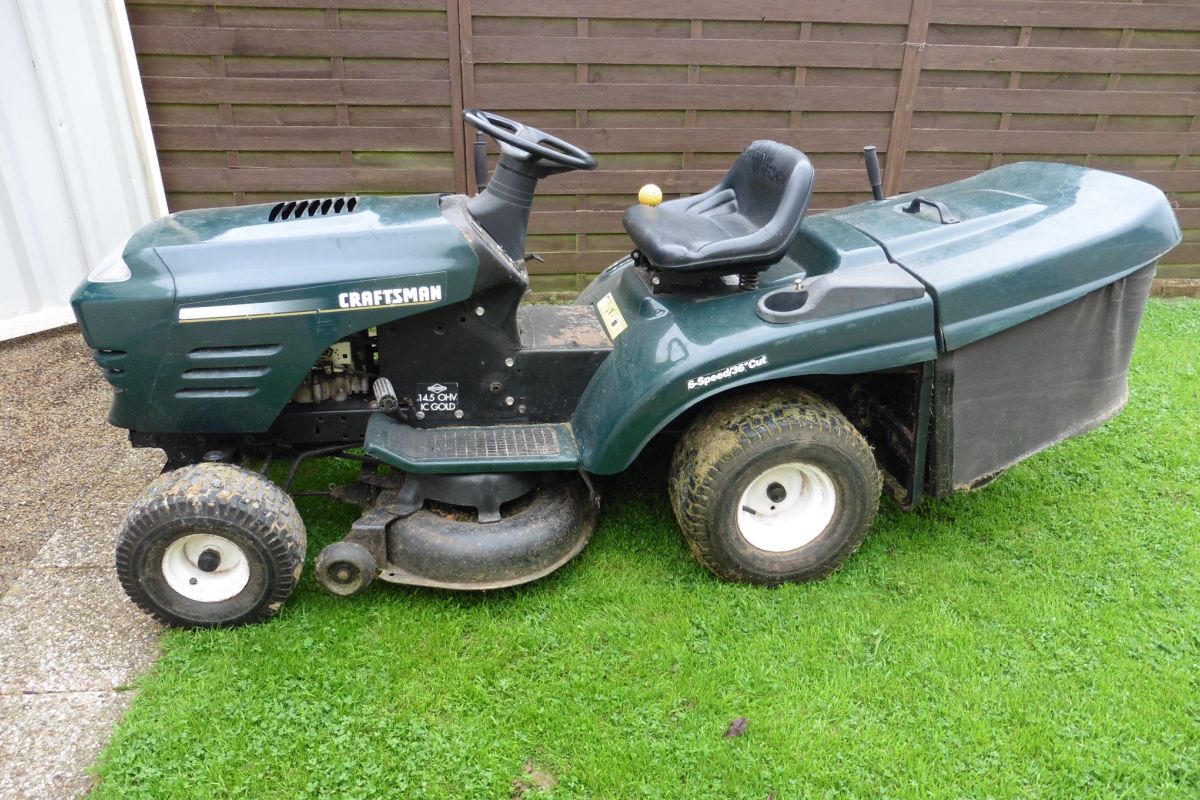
pixel 211 545
pixel 774 486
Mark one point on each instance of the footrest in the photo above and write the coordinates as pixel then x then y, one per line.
pixel 497 448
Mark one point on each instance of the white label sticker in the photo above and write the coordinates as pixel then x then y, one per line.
pixel 610 313
pixel 728 372
pixel 437 399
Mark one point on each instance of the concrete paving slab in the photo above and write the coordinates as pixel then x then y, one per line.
pixel 70 630
pixel 84 533
pixel 128 474
pixel 69 639
pixel 18 544
pixel 86 538
pixel 37 505
pixel 57 444
pixel 8 575
pixel 47 739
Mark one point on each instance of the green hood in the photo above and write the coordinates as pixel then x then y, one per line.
pixel 227 252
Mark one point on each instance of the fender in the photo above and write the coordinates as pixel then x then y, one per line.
pixel 678 351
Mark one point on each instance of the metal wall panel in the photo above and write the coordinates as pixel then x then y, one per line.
pixel 77 167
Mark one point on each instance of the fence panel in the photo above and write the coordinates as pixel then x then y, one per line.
pixel 1112 85
pixel 256 99
pixel 670 93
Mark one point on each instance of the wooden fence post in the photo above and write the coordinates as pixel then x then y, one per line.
pixel 458 26
pixel 459 139
pixel 906 92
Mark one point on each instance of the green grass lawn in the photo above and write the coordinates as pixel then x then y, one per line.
pixel 1040 637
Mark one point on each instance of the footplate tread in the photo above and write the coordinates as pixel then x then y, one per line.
pixel 499 448
pixel 505 442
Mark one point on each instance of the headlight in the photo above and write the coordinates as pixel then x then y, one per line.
pixel 112 269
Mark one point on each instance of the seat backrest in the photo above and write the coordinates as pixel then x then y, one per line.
pixel 770 179
pixel 744 223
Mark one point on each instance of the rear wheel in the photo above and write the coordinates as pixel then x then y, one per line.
pixel 211 545
pixel 774 486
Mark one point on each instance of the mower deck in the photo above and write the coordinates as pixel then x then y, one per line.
pixel 481 531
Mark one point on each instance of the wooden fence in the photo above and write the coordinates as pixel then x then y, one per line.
pixel 254 100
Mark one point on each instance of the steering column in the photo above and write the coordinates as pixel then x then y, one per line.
pixel 526 156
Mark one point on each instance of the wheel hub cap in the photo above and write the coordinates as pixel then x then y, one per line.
pixel 209 560
pixel 205 567
pixel 344 572
pixel 786 507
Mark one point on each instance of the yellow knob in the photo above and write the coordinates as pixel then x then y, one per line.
pixel 650 195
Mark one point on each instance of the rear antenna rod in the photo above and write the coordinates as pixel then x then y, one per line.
pixel 873 173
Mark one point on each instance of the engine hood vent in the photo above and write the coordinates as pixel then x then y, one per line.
pixel 295 209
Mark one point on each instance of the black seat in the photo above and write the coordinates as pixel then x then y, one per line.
pixel 743 223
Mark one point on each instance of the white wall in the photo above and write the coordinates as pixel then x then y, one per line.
pixel 78 171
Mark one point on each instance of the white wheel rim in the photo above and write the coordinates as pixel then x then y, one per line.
pixel 181 566
pixel 786 507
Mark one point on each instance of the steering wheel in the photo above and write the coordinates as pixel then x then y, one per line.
pixel 529 140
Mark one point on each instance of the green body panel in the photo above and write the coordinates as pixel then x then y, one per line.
pixel 676 338
pixel 1032 237
pixel 228 312
pixel 126 323
pixel 225 312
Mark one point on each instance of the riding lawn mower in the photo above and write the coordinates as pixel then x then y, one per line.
pixel 800 362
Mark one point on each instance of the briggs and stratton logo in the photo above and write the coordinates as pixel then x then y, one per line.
pixel 390 297
pixel 728 372
pixel 437 399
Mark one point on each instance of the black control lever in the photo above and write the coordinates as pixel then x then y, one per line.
pixel 481 176
pixel 873 173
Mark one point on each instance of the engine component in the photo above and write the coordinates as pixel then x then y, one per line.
pixel 336 376
pixel 338 386
pixel 340 355
pixel 385 395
